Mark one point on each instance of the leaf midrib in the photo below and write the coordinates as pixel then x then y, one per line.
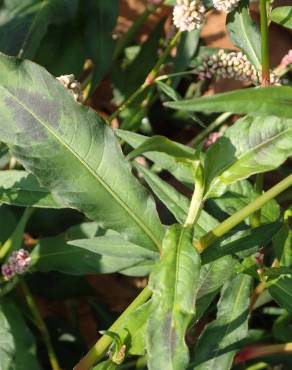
pixel 91 171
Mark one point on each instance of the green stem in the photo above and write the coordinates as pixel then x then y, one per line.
pixel 241 215
pixel 197 199
pixel 40 325
pixel 256 217
pixel 150 78
pixel 265 59
pixel 15 240
pixel 215 124
pixel 98 350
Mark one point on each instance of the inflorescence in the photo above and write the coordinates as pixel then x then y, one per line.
pixel 287 59
pixel 231 65
pixel 188 15
pixel 72 85
pixel 17 264
pixel 225 6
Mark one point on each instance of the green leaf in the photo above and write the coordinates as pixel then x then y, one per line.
pixel 8 222
pixel 282 328
pixel 252 145
pixel 282 241
pixel 106 365
pixel 164 145
pixel 239 195
pixel 20 188
pixel 212 276
pixel 241 241
pixel 281 291
pixel 180 170
pixel 267 101
pixel 23 24
pixel 90 256
pixel 17 349
pixel 101 17
pixel 114 246
pixel 283 16
pixel 244 33
pixel 69 148
pixel 219 341
pixel 176 203
pixel 174 283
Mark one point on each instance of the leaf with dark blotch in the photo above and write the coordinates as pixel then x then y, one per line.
pixel 252 145
pixel 244 33
pixel 268 101
pixel 72 152
pixel 20 188
pixel 221 339
pixel 174 283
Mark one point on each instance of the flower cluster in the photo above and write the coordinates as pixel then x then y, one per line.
pixel 225 5
pixel 188 15
pixel 287 59
pixel 17 264
pixel 231 65
pixel 72 85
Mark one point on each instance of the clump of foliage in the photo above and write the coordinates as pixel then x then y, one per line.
pixel 80 190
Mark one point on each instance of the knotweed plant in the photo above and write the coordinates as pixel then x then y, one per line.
pixel 125 249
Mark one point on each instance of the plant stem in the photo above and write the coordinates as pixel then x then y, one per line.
pixel 98 350
pixel 15 239
pixel 40 325
pixel 260 351
pixel 197 199
pixel 265 59
pixel 245 212
pixel 216 123
pixel 149 79
pixel 256 217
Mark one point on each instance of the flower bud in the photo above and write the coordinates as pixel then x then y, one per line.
pixel 188 15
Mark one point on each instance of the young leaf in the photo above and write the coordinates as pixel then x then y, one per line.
pixel 252 145
pixel 164 145
pixel 268 101
pixel 174 283
pixel 244 33
pixel 69 148
pixel 283 16
pixel 180 170
pixel 219 341
pixel 20 188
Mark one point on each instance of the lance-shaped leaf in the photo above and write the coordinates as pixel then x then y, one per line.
pixel 20 188
pixel 72 152
pixel 281 291
pixel 251 146
pixel 268 101
pixel 244 33
pixel 174 283
pixel 180 170
pixel 219 341
pixel 283 16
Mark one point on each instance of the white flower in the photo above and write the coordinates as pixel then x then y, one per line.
pixel 17 264
pixel 225 5
pixel 188 15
